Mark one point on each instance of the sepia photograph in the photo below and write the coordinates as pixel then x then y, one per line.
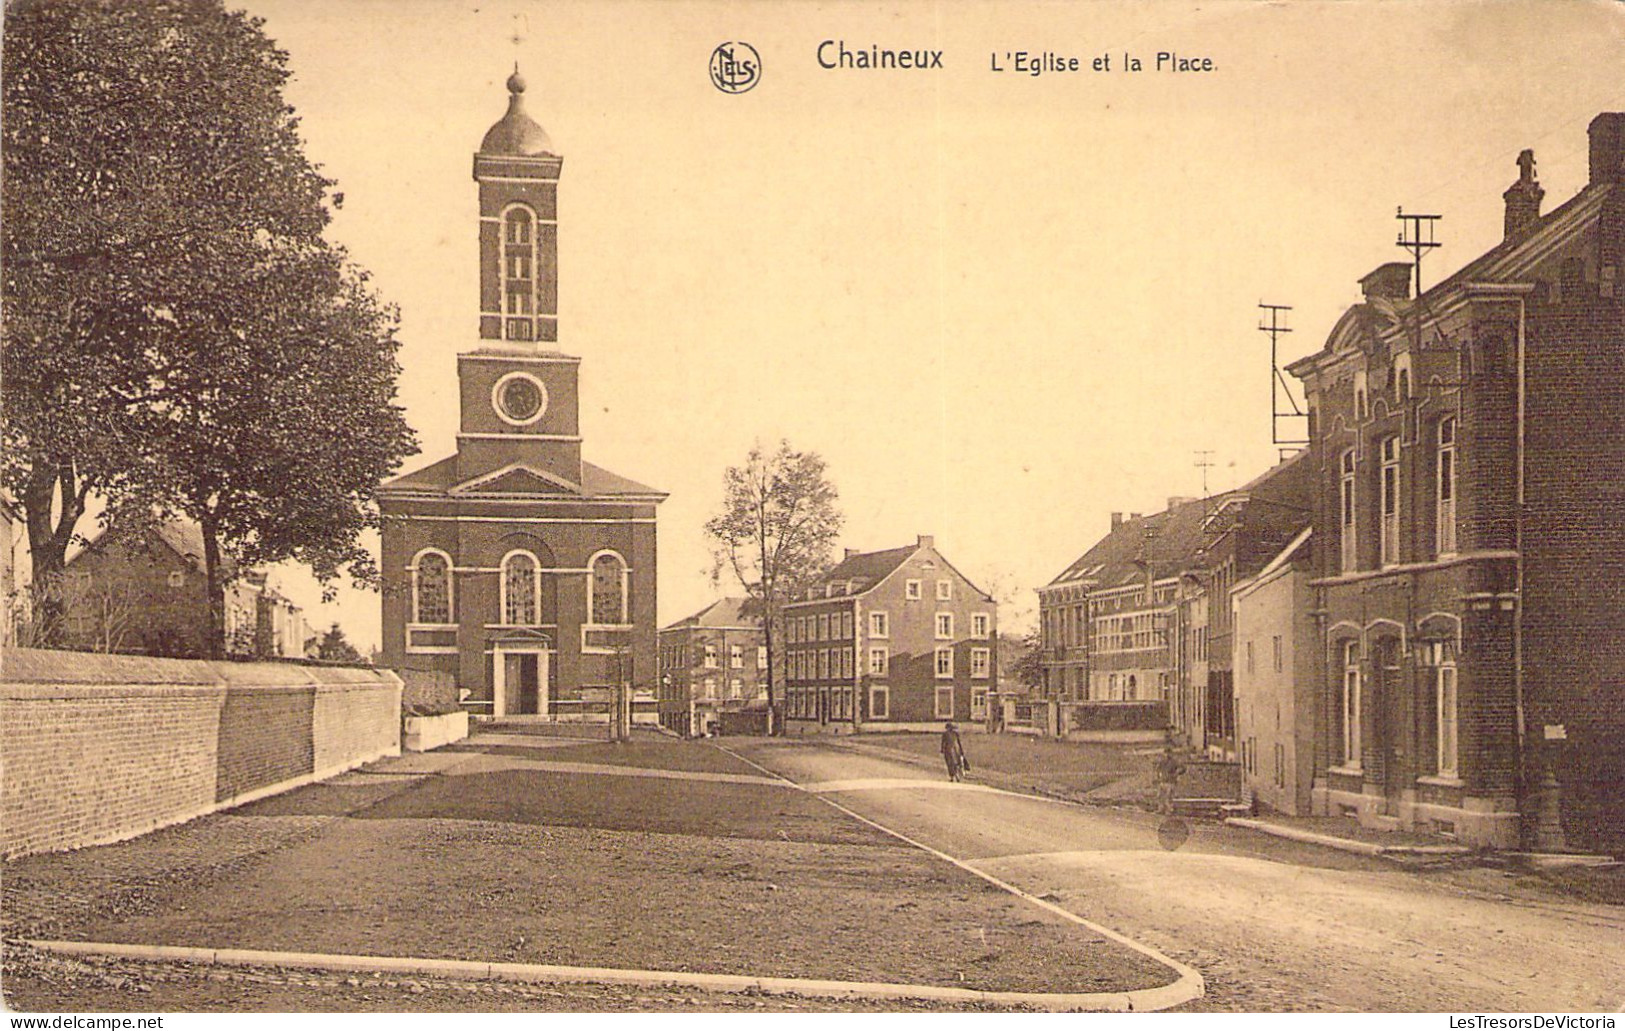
pixel 658 507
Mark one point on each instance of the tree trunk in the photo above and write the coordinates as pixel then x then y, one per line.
pixel 214 643
pixel 767 632
pixel 48 540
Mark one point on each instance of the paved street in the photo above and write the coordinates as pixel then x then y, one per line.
pixel 1324 931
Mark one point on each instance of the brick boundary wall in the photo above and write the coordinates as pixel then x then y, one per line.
pixel 100 748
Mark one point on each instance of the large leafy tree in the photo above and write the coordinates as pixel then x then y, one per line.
pixel 177 333
pixel 774 534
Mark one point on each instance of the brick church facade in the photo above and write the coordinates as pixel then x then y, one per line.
pixel 514 565
pixel 1469 544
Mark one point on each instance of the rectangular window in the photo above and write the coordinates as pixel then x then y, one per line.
pixel 1249 647
pixel 1277 645
pixel 710 689
pixel 980 661
pixel 945 590
pixel 1445 531
pixel 1351 704
pixel 823 664
pixel 736 688
pixel 945 626
pixel 879 660
pixel 978 703
pixel 736 656
pixel 823 626
pixel 911 590
pixel 1348 539
pixel 1441 656
pixel 878 625
pixel 879 703
pixel 945 663
pixel 710 656
pixel 979 624
pixel 761 656
pixel 945 703
pixel 846 626
pixel 1390 500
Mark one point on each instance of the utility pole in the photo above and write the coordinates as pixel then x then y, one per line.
pixel 1284 406
pixel 1416 234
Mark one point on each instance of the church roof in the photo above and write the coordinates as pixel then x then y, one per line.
pixel 596 482
pixel 516 134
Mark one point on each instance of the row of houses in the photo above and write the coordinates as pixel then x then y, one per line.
pixel 1418 620
pixel 142 590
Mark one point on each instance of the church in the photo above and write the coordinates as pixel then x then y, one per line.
pixel 514 565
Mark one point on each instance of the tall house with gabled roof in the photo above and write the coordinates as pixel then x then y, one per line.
pixel 1469 546
pixel 889 640
pixel 514 565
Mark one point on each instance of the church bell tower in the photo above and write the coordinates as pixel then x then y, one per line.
pixel 518 172
pixel 519 399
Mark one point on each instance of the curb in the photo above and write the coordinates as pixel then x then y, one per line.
pixel 1152 998
pixel 1364 848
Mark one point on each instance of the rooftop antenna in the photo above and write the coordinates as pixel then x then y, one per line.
pixel 1289 423
pixel 1204 462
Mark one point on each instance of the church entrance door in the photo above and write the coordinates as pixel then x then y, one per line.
pixel 521 682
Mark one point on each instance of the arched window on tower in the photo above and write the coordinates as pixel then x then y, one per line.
pixel 521 604
pixel 609 607
pixel 432 589
pixel 519 273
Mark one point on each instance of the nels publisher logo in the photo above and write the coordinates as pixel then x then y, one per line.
pixel 735 67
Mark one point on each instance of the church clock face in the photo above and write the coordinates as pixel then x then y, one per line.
pixel 519 398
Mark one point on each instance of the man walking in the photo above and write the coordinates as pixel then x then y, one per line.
pixel 953 753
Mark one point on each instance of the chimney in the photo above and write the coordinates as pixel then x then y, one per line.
pixel 1523 199
pixel 926 541
pixel 850 552
pixel 1608 148
pixel 1391 280
pixel 1117 520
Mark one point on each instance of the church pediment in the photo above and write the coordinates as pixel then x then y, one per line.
pixel 518 479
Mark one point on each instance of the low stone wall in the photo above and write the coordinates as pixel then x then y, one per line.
pixel 1135 716
pixel 99 748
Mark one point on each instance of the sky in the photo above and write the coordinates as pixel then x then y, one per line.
pixel 1001 306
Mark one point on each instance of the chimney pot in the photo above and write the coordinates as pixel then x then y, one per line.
pixel 1523 200
pixel 1390 280
pixel 1608 148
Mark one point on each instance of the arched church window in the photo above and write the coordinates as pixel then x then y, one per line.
pixel 519 273
pixel 433 588
pixel 609 590
pixel 521 585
